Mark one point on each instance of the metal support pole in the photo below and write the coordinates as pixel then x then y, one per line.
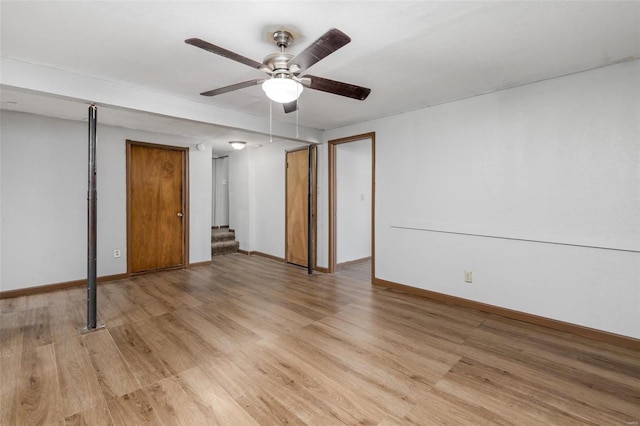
pixel 310 214
pixel 92 223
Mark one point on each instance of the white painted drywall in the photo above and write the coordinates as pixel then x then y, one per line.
pixel 269 210
pixel 220 188
pixel 240 196
pixel 557 161
pixel 1 221
pixel 259 219
pixel 322 224
pixel 353 200
pixel 213 192
pixel 199 194
pixel 44 198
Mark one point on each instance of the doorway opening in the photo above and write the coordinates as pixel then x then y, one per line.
pixel 352 205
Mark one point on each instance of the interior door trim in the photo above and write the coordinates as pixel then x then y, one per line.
pixel 185 200
pixel 333 198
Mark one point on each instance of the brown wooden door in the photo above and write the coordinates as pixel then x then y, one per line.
pixel 297 182
pixel 156 207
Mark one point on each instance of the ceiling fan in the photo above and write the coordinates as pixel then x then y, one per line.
pixel 285 84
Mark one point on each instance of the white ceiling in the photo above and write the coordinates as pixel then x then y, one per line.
pixel 411 54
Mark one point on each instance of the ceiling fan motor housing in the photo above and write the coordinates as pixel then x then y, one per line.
pixel 277 61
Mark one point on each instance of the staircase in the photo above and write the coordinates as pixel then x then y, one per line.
pixel 223 241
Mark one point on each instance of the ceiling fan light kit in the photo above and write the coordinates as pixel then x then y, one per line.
pixel 285 84
pixel 282 90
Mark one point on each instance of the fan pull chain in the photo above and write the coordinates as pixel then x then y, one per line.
pixel 297 109
pixel 270 121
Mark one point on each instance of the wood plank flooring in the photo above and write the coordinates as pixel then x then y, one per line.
pixel 359 269
pixel 250 341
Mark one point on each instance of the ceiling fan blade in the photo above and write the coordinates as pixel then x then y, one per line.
pixel 223 52
pixel 338 88
pixel 290 106
pixel 231 88
pixel 331 41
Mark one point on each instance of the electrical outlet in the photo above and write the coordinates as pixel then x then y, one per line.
pixel 116 253
pixel 468 278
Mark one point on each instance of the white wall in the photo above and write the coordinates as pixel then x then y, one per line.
pixel 257 197
pixel 240 190
pixel 557 162
pixel 269 168
pixel 44 198
pixel 1 219
pixel 213 191
pixel 353 200
pixel 220 188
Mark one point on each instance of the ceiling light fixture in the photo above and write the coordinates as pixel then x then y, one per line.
pixel 237 144
pixel 282 89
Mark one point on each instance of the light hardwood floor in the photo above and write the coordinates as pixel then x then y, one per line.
pixel 359 269
pixel 250 341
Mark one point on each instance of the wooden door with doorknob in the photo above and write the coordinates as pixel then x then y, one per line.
pixel 156 207
pixel 297 207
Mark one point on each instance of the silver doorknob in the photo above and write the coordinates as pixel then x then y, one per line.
pixel 180 214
